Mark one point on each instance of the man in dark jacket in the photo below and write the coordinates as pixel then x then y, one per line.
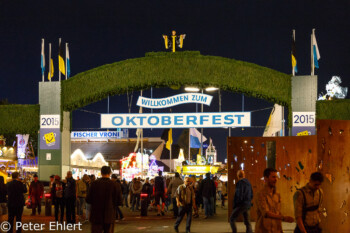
pixel 36 191
pixel 70 197
pixel 242 202
pixel 159 192
pixel 104 196
pixel 57 195
pixel 208 191
pixel 15 203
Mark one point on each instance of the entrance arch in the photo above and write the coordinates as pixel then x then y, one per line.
pixel 160 69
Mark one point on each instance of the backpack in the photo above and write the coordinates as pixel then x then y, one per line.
pixel 59 191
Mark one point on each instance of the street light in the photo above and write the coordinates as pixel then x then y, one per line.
pixel 192 89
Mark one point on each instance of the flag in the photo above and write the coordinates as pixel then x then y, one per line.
pixel 274 124
pixel 67 62
pixel 294 56
pixel 50 74
pixel 167 136
pixel 170 139
pixel 316 53
pixel 195 138
pixel 61 60
pixel 42 57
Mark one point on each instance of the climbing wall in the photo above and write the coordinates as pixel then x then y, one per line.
pixel 295 159
pixel 334 162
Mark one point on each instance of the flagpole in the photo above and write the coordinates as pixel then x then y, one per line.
pixel 312 53
pixel 189 143
pixel 202 130
pixel 43 58
pixel 171 148
pixel 293 70
pixel 59 71
pixel 141 145
pixel 50 62
pixel 66 61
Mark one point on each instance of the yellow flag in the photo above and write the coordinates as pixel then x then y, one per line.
pixel 61 65
pixel 170 139
pixel 51 71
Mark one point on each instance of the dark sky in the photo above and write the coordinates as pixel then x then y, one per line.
pixel 102 32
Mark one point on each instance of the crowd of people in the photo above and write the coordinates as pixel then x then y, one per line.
pixel 99 200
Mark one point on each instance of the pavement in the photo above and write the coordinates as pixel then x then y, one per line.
pixel 134 223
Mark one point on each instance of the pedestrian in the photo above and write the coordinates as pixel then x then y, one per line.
pixel 125 190
pixel 268 203
pixel 15 201
pixel 36 191
pixel 159 192
pixel 185 199
pixel 147 189
pixel 87 205
pixel 81 195
pixel 173 185
pixel 3 199
pixel 219 189
pixel 52 180
pixel 242 202
pixel 208 191
pixel 199 198
pixel 223 194
pixel 104 196
pixel 119 213
pixel 308 205
pixel 131 199
pixel 70 197
pixel 57 195
pixel 136 190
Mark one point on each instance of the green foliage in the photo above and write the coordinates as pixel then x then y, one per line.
pixel 333 109
pixel 19 119
pixel 164 69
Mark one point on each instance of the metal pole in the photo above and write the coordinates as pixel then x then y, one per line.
pixel 189 144
pixel 50 62
pixel 170 149
pixel 141 145
pixel 43 49
pixel 293 71
pixel 312 54
pixel 59 48
pixel 66 61
pixel 202 131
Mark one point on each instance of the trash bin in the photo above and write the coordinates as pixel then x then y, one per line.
pixel 48 204
pixel 144 204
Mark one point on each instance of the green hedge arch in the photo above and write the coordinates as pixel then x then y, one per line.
pixel 160 69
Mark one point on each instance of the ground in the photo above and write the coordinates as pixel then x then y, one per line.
pixel 135 223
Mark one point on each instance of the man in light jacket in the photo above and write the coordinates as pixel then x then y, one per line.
pixel 173 185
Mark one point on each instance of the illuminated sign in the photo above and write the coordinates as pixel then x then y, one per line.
pixel 176 120
pixel 174 100
pixel 96 134
pixel 199 169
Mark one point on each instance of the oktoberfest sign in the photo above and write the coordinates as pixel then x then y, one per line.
pixel 174 100
pixel 176 120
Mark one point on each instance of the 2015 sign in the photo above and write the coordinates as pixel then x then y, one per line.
pixel 304 119
pixel 49 121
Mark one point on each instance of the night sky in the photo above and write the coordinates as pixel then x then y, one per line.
pixel 102 32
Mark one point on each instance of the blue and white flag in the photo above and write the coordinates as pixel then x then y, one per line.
pixel 195 138
pixel 316 53
pixel 42 57
pixel 67 61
